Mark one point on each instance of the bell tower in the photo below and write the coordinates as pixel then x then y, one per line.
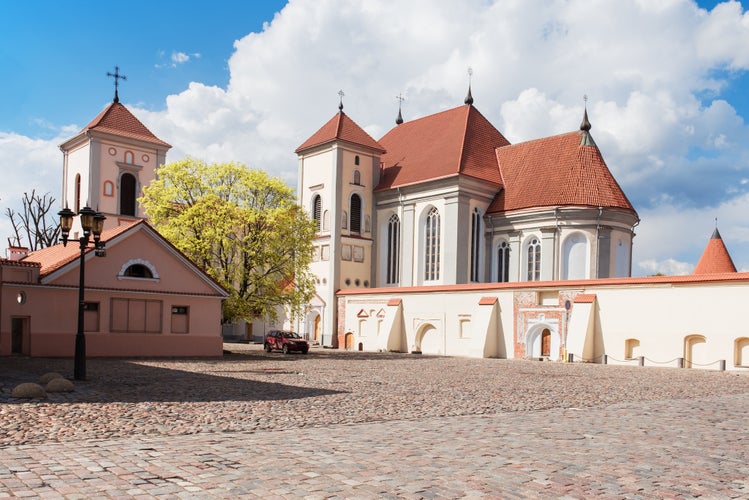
pixel 107 164
pixel 339 167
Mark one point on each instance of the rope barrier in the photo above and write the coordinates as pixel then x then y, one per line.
pixel 680 362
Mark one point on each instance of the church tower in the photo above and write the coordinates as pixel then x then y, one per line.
pixel 339 166
pixel 107 164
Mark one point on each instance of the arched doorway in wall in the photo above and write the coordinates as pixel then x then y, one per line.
pixel 631 348
pixel 348 341
pixel 741 352
pixel 545 343
pixel 542 341
pixel 428 340
pixel 317 327
pixel 693 351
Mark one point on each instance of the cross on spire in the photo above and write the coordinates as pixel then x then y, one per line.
pixel 340 105
pixel 117 76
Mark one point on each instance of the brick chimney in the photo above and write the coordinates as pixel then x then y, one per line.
pixel 17 253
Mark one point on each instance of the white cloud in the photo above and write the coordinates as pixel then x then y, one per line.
pixel 654 73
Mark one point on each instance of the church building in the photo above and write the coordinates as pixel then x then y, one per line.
pixel 442 237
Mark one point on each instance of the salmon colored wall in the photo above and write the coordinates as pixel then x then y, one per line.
pixel 53 323
pixel 101 272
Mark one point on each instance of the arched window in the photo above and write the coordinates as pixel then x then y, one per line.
pixel 393 251
pixel 127 194
pixel 129 157
pixel 432 245
pixel 534 260
pixel 138 271
pixel 357 177
pixel 77 193
pixel 355 213
pixel 317 209
pixel 503 262
pixel 326 221
pixel 475 244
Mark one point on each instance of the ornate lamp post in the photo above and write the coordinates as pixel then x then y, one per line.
pixel 92 223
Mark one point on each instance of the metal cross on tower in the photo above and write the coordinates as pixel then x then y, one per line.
pixel 341 94
pixel 117 76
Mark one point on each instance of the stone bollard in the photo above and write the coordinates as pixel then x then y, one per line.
pixel 722 365
pixel 570 357
pixel 642 361
pixel 679 362
pixel 605 359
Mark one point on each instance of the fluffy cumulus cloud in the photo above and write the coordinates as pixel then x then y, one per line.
pixel 655 73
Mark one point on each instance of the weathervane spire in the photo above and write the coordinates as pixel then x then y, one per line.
pixel 117 76
pixel 469 98
pixel 400 98
pixel 340 105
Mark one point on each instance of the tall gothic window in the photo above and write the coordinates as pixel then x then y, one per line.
pixel 475 244
pixel 534 260
pixel 393 251
pixel 317 210
pixel 503 262
pixel 127 194
pixel 355 226
pixel 432 246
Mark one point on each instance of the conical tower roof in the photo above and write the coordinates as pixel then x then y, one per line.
pixel 342 128
pixel 715 259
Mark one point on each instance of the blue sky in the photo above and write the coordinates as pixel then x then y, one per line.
pixel 247 81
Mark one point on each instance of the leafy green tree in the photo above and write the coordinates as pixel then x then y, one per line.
pixel 244 228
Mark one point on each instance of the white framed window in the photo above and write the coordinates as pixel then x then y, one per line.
pixel 503 262
pixel 475 245
pixel 432 246
pixel 534 260
pixel 392 276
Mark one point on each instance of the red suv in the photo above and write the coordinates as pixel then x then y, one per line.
pixel 285 341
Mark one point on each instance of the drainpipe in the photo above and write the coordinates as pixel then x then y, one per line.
pixel 598 241
pixel 557 250
pixel 631 241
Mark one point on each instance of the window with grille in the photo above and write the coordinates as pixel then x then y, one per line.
pixel 317 209
pixel 393 251
pixel 534 260
pixel 475 245
pixel 503 262
pixel 355 226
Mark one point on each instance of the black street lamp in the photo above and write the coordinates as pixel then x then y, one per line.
pixel 92 223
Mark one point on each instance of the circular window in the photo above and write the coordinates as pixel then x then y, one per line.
pixel 145 158
pixel 348 281
pixel 357 282
pixel 366 283
pixel 112 151
pixel 21 297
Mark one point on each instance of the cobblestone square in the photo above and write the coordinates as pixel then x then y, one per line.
pixel 334 424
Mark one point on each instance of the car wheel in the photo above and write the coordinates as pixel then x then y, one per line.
pixel 267 347
pixel 285 349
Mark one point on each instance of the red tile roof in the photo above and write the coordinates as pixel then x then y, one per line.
pixel 715 259
pixel 456 141
pixel 556 171
pixel 53 258
pixel 683 280
pixel 117 120
pixel 585 298
pixel 343 128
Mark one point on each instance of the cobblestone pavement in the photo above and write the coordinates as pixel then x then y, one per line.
pixel 355 425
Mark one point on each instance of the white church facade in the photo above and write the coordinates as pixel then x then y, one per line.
pixel 443 238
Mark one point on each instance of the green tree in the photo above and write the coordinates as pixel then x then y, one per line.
pixel 244 228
